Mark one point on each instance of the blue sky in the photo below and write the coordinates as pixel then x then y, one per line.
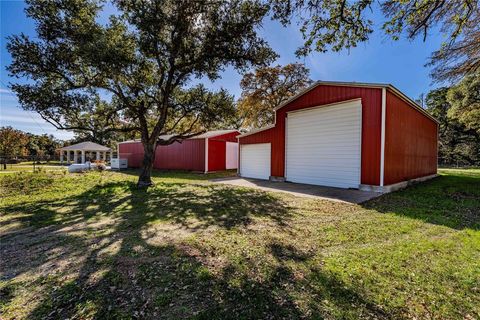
pixel 400 63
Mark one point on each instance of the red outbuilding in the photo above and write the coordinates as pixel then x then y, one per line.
pixel 211 151
pixel 344 134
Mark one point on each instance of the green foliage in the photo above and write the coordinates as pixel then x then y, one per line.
pixel 342 24
pixel 42 146
pixel 455 109
pixel 326 24
pixel 12 142
pixel 132 73
pixel 465 101
pixel 18 144
pixel 266 88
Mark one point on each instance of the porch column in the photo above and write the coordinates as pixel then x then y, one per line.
pixel 75 156
pixel 61 156
pixel 105 156
pixel 98 155
pixel 83 156
pixel 68 157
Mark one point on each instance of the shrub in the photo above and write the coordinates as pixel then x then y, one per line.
pixel 99 165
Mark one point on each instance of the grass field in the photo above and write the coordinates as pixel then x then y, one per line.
pixel 28 167
pixel 93 246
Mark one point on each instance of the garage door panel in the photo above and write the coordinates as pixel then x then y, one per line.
pixel 327 148
pixel 335 134
pixel 330 182
pixel 324 145
pixel 345 118
pixel 329 163
pixel 341 175
pixel 340 166
pixel 346 121
pixel 329 172
pixel 255 160
pixel 346 128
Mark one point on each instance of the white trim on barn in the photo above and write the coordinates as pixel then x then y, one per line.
pixel 382 138
pixel 206 155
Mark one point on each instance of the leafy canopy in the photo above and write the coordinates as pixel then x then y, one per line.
pixel 134 73
pixel 266 88
pixel 42 146
pixel 342 24
pixel 455 108
pixel 465 101
pixel 12 142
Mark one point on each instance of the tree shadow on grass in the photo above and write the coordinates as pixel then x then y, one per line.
pixel 111 270
pixel 451 201
pixel 50 233
pixel 192 207
pixel 182 174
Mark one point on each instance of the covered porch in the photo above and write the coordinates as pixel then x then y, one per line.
pixel 84 151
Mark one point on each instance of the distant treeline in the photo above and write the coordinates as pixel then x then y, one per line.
pixel 457 108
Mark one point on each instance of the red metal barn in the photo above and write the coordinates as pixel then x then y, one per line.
pixel 342 134
pixel 211 151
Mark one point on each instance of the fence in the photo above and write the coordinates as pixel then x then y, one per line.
pixel 456 163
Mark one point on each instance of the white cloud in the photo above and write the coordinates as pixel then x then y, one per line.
pixel 21 119
pixel 6 91
pixel 31 122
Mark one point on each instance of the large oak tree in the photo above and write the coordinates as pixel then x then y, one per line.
pixel 136 70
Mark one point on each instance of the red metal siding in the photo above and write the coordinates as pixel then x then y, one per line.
pixel 216 155
pixel 325 94
pixel 410 142
pixel 260 137
pixel 217 150
pixel 133 151
pixel 188 155
pixel 230 137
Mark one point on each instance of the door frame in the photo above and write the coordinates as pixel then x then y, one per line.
pixel 324 106
pixel 240 158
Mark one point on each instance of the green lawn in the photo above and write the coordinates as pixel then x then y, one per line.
pixel 28 167
pixel 93 246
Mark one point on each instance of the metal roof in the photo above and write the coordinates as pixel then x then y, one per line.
pixel 208 134
pixel 213 133
pixel 270 126
pixel 86 146
pixel 346 84
pixel 359 84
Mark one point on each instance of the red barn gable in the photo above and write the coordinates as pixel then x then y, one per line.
pixel 346 135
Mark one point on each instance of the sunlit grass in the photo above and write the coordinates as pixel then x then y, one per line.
pixel 94 246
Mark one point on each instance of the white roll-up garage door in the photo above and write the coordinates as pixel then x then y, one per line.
pixel 255 160
pixel 324 145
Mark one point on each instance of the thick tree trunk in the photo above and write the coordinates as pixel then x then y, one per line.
pixel 145 178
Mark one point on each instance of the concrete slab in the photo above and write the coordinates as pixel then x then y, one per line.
pixel 302 190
